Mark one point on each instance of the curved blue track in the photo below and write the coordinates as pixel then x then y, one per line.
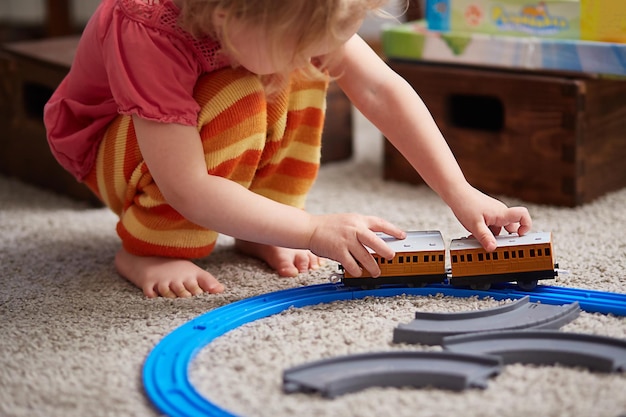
pixel 165 372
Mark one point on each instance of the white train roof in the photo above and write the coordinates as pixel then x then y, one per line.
pixel 503 241
pixel 415 241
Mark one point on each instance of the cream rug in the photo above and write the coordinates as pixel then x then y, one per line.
pixel 74 335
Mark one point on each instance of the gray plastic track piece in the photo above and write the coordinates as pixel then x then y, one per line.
pixel 336 376
pixel 545 347
pixel 431 328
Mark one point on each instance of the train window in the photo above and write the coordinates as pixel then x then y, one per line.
pixel 513 254
pixel 462 258
pixel 532 253
pixel 390 261
pixel 440 258
pixel 382 260
pixel 548 252
pixel 520 253
pixel 454 259
pixel 415 258
pixel 469 257
pixel 495 256
pixel 539 251
pixel 425 258
pixel 481 257
pixel 433 258
pixel 506 254
pixel 488 256
pixel 401 259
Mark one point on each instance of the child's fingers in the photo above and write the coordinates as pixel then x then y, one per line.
pixel 350 264
pixel 512 227
pixel 485 236
pixel 517 219
pixel 366 260
pixel 382 225
pixel 371 240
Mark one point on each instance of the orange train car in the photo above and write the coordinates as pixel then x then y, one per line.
pixel 421 259
pixel 524 259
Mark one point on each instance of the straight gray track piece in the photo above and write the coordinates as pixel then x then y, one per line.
pixel 431 328
pixel 336 376
pixel 545 347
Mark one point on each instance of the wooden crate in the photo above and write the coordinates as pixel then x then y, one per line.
pixel 29 73
pixel 545 138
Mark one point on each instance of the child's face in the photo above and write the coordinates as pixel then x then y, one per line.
pixel 253 50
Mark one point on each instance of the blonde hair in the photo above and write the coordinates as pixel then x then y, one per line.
pixel 308 20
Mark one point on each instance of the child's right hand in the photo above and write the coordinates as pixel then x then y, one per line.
pixel 346 237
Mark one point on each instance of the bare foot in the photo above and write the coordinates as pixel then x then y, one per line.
pixel 167 277
pixel 287 262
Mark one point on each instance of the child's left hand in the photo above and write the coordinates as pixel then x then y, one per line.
pixel 484 216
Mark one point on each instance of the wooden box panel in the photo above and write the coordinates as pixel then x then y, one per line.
pixel 337 133
pixel 29 73
pixel 549 139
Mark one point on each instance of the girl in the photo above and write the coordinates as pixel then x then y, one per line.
pixel 190 118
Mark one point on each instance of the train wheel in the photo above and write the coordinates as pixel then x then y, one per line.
pixel 527 285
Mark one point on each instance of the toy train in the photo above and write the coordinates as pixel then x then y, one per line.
pixel 420 259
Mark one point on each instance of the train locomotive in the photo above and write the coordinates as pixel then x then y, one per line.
pixel 420 259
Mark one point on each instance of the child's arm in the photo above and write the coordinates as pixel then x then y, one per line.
pixel 175 158
pixel 392 105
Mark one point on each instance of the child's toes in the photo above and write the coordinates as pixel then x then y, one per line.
pixel 179 289
pixel 303 263
pixel 210 284
pixel 193 287
pixel 286 268
pixel 164 290
pixel 315 261
pixel 150 291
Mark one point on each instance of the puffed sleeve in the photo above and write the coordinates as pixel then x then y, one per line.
pixel 151 73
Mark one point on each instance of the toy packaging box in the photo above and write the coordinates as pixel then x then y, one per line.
pixel 596 20
pixel 603 20
pixel 414 41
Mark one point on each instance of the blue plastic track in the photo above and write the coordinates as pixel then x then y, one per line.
pixel 165 372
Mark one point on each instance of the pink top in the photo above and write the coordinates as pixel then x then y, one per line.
pixel 132 59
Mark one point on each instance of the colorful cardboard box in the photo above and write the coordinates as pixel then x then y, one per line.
pixel 603 20
pixel 548 18
pixel 414 41
pixel 597 20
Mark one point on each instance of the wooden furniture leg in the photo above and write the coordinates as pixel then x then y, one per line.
pixel 58 18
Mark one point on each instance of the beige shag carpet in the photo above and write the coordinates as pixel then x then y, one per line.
pixel 74 335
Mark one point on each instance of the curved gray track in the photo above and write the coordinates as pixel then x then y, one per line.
pixel 340 375
pixel 431 328
pixel 545 347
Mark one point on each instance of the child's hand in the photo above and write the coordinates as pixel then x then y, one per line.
pixel 484 217
pixel 346 237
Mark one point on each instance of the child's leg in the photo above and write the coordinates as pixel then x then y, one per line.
pixel 157 241
pixel 290 163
